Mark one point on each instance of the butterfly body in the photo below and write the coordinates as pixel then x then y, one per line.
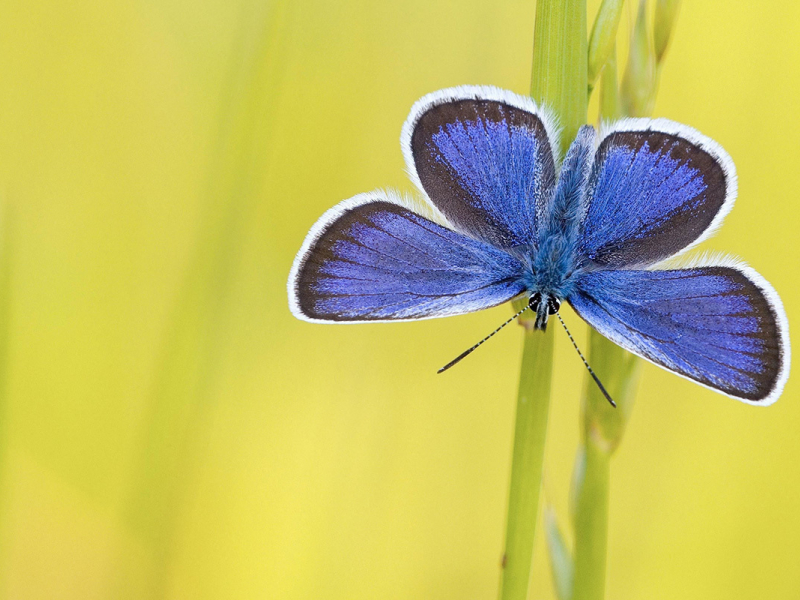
pixel 556 262
pixel 506 219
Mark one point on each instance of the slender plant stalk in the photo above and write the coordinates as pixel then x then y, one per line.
pixel 559 75
pixel 591 521
pixel 603 427
pixel 526 464
pixel 558 81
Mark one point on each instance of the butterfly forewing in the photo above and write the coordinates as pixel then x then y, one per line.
pixel 484 158
pixel 370 259
pixel 656 188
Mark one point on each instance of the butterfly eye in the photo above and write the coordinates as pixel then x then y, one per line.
pixel 535 301
pixel 553 304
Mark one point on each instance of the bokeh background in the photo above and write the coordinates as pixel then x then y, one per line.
pixel 168 430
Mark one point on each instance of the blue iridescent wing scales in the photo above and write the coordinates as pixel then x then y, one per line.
pixel 722 326
pixel 483 157
pixel 656 188
pixel 371 259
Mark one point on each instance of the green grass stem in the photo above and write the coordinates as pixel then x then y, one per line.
pixel 533 401
pixel 604 427
pixel 558 81
pixel 559 75
pixel 590 501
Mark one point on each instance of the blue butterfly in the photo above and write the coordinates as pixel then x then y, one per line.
pixel 504 220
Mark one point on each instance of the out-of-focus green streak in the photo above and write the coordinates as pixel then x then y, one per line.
pixel 6 239
pixel 176 426
pixel 609 92
pixel 638 81
pixel 561 563
pixel 663 26
pixel 602 40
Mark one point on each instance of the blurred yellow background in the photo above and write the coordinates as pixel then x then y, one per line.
pixel 168 430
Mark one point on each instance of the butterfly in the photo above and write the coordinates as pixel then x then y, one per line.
pixel 505 219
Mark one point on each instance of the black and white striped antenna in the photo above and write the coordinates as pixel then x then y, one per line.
pixel 475 347
pixel 585 362
pixel 469 351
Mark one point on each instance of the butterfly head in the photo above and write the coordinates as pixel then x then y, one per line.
pixel 543 305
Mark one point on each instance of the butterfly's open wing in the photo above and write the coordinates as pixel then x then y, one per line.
pixel 484 158
pixel 371 259
pixel 656 188
pixel 722 326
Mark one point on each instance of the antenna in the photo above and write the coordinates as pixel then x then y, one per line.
pixel 596 380
pixel 475 347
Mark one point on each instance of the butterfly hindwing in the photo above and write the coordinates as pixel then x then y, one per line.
pixel 484 158
pixel 371 259
pixel 722 326
pixel 656 188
